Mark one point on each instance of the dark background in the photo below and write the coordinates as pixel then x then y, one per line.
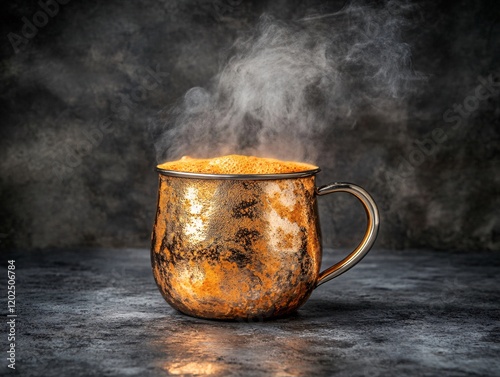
pixel 77 160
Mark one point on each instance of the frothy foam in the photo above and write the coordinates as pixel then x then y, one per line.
pixel 236 164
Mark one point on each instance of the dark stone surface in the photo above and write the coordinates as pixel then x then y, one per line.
pixel 80 68
pixel 417 313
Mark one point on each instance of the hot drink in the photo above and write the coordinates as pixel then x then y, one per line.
pixel 236 164
pixel 238 237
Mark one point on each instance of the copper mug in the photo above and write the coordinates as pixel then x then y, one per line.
pixel 244 246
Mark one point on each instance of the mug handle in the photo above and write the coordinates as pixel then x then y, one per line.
pixel 371 231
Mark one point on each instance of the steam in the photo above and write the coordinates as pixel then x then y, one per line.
pixel 287 83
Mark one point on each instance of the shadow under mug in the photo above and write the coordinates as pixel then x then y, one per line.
pixel 244 246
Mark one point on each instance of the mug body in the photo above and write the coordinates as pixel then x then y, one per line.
pixel 236 248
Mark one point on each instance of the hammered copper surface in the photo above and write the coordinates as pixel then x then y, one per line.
pixel 230 249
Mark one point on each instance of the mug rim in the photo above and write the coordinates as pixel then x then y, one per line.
pixel 249 177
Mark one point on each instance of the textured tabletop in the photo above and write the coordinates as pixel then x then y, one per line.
pixel 411 313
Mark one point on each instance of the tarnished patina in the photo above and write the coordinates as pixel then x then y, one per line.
pixel 230 249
